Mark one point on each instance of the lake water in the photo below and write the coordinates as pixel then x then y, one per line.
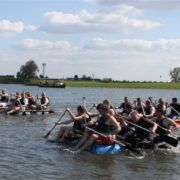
pixel 25 154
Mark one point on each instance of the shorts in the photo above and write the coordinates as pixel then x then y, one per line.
pixel 101 139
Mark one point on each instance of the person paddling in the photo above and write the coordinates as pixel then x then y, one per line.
pixel 175 109
pixel 149 109
pixel 19 104
pixel 44 102
pixel 140 137
pixel 106 124
pixel 165 123
pixel 4 99
pixel 78 120
pixel 165 126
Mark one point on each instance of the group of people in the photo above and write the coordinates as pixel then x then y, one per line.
pixel 138 124
pixel 23 101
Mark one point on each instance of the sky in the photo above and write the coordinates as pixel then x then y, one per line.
pixel 135 40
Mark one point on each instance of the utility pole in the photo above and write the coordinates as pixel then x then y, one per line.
pixel 44 65
pixel 93 77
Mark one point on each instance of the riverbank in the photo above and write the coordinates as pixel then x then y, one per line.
pixel 138 85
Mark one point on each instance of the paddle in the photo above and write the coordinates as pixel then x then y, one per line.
pixel 21 108
pixel 123 145
pixel 142 107
pixel 170 140
pixel 84 104
pixel 175 110
pixel 91 108
pixel 46 135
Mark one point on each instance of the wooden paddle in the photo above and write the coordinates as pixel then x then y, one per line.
pixel 168 139
pixel 46 135
pixel 123 145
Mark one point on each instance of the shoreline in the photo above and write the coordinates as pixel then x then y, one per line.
pixel 134 85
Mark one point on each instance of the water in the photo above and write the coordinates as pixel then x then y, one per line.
pixel 25 154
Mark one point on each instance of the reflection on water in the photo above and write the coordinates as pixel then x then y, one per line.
pixel 25 154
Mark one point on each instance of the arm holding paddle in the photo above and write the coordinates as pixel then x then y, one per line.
pixel 46 135
pixel 73 116
pixel 107 125
pixel 170 140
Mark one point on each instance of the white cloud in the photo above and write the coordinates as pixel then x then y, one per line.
pixel 118 59
pixel 35 44
pixel 106 20
pixel 142 4
pixel 8 28
pixel 133 44
pixel 31 27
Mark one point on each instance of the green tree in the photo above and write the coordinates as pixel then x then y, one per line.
pixel 28 71
pixel 76 77
pixel 175 74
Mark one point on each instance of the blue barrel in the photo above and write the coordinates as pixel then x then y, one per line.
pixel 24 113
pixel 106 149
pixel 42 112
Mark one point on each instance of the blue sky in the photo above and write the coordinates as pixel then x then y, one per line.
pixel 119 39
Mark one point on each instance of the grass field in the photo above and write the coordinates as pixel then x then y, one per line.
pixel 140 85
pixel 157 85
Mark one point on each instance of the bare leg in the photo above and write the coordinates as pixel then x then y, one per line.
pixel 82 141
pixel 60 133
pixel 16 109
pixel 89 142
pixel 66 133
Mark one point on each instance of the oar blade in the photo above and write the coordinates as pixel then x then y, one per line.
pixel 129 147
pixel 46 135
pixel 170 140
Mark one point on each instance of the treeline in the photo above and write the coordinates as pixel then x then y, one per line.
pixel 29 71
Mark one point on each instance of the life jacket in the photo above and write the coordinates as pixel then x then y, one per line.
pixel 102 127
pixel 78 124
pixel 159 129
pixel 22 101
pixel 31 102
pixel 4 98
pixel 145 124
pixel 148 110
pixel 176 107
pixel 43 100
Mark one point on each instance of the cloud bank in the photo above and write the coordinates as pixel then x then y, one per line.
pixel 119 19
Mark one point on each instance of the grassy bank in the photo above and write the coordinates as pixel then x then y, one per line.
pixel 143 85
pixel 123 85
